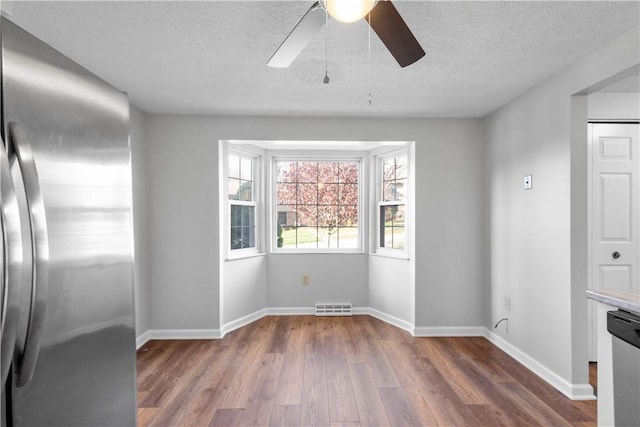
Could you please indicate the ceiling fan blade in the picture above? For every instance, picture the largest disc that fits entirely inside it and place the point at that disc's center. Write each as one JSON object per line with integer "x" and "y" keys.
{"x": 299, "y": 37}
{"x": 394, "y": 33}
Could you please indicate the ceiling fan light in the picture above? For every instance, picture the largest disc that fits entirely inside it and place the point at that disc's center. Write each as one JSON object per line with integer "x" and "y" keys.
{"x": 348, "y": 10}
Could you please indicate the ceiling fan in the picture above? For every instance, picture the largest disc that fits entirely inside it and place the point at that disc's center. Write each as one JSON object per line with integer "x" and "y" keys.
{"x": 381, "y": 15}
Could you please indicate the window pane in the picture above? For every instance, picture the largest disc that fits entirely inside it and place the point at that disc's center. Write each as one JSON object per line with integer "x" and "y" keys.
{"x": 234, "y": 186}
{"x": 245, "y": 191}
{"x": 240, "y": 178}
{"x": 328, "y": 172}
{"x": 328, "y": 216}
{"x": 236, "y": 216}
{"x": 392, "y": 234}
{"x": 308, "y": 172}
{"x": 246, "y": 168}
{"x": 398, "y": 217}
{"x": 349, "y": 194}
{"x": 286, "y": 194}
{"x": 348, "y": 237}
{"x": 348, "y": 172}
{"x": 248, "y": 216}
{"x": 248, "y": 237}
{"x": 234, "y": 166}
{"x": 389, "y": 169}
{"x": 328, "y": 194}
{"x": 388, "y": 237}
{"x": 401, "y": 167}
{"x": 286, "y": 215}
{"x": 388, "y": 191}
{"x": 394, "y": 178}
{"x": 286, "y": 171}
{"x": 307, "y": 194}
{"x": 328, "y": 237}
{"x": 299, "y": 237}
{"x": 307, "y": 237}
{"x": 398, "y": 237}
{"x": 348, "y": 216}
{"x": 394, "y": 190}
{"x": 236, "y": 237}
{"x": 307, "y": 215}
{"x": 400, "y": 189}
{"x": 243, "y": 227}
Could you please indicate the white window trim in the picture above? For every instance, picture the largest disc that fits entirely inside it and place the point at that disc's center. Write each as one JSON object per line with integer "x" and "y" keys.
{"x": 378, "y": 159}
{"x": 302, "y": 155}
{"x": 258, "y": 196}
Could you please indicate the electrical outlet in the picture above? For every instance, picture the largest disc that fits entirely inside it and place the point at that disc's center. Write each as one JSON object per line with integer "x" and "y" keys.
{"x": 527, "y": 182}
{"x": 507, "y": 303}
{"x": 305, "y": 280}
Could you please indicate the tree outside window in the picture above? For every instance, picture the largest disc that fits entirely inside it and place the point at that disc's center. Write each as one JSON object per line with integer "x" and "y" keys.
{"x": 317, "y": 204}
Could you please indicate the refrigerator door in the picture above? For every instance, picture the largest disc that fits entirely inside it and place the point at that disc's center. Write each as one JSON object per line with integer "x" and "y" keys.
{"x": 75, "y": 357}
{"x": 11, "y": 264}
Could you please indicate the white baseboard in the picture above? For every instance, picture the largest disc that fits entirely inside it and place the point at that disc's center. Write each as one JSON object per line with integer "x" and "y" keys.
{"x": 572, "y": 391}
{"x": 243, "y": 321}
{"x": 178, "y": 334}
{"x": 450, "y": 331}
{"x": 142, "y": 339}
{"x": 290, "y": 311}
{"x": 392, "y": 320}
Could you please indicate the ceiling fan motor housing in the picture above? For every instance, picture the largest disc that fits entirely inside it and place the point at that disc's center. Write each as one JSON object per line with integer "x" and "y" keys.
{"x": 348, "y": 10}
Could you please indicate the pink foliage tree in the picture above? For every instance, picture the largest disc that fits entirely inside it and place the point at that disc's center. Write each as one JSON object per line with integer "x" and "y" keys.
{"x": 323, "y": 194}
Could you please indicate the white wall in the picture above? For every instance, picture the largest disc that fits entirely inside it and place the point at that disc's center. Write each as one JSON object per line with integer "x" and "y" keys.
{"x": 183, "y": 224}
{"x": 140, "y": 178}
{"x": 538, "y": 237}
{"x": 449, "y": 234}
{"x": 613, "y": 106}
{"x": 391, "y": 288}
{"x": 243, "y": 288}
{"x": 186, "y": 268}
{"x": 332, "y": 278}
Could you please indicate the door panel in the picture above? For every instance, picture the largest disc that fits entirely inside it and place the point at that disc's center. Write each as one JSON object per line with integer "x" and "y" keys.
{"x": 615, "y": 205}
{"x": 615, "y": 276}
{"x": 614, "y": 209}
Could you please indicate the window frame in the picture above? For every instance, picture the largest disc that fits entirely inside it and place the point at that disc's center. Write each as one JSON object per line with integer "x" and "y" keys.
{"x": 379, "y": 202}
{"x": 255, "y": 202}
{"x": 311, "y": 156}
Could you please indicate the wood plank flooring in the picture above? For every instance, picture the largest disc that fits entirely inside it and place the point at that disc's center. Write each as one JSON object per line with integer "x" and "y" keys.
{"x": 343, "y": 371}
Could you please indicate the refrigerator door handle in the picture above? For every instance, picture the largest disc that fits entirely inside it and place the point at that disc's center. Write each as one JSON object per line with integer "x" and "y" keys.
{"x": 40, "y": 253}
{"x": 11, "y": 264}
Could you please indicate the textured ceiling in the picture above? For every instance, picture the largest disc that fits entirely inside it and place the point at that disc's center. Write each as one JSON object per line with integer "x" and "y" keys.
{"x": 209, "y": 57}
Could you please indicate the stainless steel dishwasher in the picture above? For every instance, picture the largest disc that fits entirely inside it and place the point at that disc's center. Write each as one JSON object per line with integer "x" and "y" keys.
{"x": 625, "y": 330}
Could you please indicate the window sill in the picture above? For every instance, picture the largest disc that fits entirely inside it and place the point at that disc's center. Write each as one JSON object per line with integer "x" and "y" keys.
{"x": 317, "y": 252}
{"x": 245, "y": 256}
{"x": 400, "y": 257}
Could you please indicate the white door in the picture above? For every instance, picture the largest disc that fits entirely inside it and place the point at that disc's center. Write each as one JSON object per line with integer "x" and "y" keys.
{"x": 615, "y": 209}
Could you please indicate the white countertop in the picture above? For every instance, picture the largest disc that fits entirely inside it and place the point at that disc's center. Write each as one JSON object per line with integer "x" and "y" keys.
{"x": 626, "y": 299}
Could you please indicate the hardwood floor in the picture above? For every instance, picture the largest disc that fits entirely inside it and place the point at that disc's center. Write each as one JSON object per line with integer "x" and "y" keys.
{"x": 343, "y": 371}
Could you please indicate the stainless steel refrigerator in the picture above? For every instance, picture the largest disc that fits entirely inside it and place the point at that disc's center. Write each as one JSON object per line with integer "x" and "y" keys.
{"x": 68, "y": 340}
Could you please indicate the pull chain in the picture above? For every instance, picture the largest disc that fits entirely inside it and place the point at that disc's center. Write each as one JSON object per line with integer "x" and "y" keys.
{"x": 326, "y": 47}
{"x": 369, "y": 60}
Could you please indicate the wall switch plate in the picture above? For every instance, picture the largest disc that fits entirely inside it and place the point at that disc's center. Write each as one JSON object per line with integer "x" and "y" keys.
{"x": 528, "y": 182}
